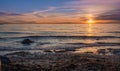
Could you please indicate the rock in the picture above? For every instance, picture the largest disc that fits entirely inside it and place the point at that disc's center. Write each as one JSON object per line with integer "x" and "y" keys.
{"x": 22, "y": 53}
{"x": 4, "y": 60}
{"x": 59, "y": 51}
{"x": 47, "y": 51}
{"x": 101, "y": 51}
{"x": 89, "y": 52}
{"x": 56, "y": 51}
{"x": 97, "y": 38}
{"x": 116, "y": 51}
{"x": 27, "y": 41}
{"x": 4, "y": 63}
{"x": 110, "y": 49}
{"x": 92, "y": 67}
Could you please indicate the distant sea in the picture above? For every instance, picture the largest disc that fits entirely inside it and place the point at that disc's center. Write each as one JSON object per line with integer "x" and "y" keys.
{"x": 75, "y": 38}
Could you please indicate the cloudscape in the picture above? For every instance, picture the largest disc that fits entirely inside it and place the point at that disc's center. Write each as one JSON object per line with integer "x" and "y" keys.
{"x": 58, "y": 11}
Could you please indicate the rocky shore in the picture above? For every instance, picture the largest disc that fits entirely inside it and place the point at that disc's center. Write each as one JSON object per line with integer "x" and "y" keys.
{"x": 25, "y": 61}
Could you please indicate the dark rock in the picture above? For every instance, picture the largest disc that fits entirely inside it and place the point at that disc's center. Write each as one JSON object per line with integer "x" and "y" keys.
{"x": 110, "y": 49}
{"x": 23, "y": 54}
{"x": 93, "y": 67}
{"x": 4, "y": 60}
{"x": 4, "y": 63}
{"x": 89, "y": 52}
{"x": 101, "y": 51}
{"x": 47, "y": 51}
{"x": 116, "y": 51}
{"x": 27, "y": 41}
{"x": 97, "y": 38}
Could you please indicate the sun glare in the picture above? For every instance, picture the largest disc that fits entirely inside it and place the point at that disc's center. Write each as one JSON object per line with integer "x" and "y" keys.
{"x": 90, "y": 21}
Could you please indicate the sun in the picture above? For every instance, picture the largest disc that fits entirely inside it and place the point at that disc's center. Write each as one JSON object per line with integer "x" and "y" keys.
{"x": 90, "y": 21}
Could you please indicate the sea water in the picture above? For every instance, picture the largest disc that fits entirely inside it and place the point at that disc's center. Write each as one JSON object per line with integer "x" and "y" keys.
{"x": 68, "y": 37}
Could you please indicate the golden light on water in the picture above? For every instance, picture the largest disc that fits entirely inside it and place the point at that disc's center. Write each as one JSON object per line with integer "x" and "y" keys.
{"x": 89, "y": 30}
{"x": 90, "y": 21}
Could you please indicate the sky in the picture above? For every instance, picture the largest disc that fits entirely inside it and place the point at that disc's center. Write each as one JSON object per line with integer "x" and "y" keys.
{"x": 59, "y": 11}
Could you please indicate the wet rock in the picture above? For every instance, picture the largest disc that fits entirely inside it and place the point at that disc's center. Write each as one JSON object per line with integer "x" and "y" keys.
{"x": 89, "y": 52}
{"x": 116, "y": 51}
{"x": 27, "y": 41}
{"x": 56, "y": 51}
{"x": 4, "y": 63}
{"x": 97, "y": 38}
{"x": 47, "y": 51}
{"x": 113, "y": 51}
{"x": 22, "y": 67}
{"x": 93, "y": 67}
{"x": 23, "y": 54}
{"x": 60, "y": 51}
{"x": 101, "y": 51}
{"x": 4, "y": 60}
{"x": 110, "y": 49}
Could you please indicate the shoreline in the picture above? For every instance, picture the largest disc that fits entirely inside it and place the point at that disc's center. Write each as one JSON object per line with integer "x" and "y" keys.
{"x": 25, "y": 61}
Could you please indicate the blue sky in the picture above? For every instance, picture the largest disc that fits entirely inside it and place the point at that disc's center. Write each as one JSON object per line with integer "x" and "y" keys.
{"x": 58, "y": 11}
{"x": 24, "y": 6}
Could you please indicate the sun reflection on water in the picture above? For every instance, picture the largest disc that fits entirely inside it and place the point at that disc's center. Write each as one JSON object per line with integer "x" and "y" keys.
{"x": 89, "y": 30}
{"x": 90, "y": 23}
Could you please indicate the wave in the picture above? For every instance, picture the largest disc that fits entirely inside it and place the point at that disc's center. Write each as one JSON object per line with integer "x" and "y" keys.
{"x": 14, "y": 33}
{"x": 15, "y": 49}
{"x": 62, "y": 37}
{"x": 69, "y": 37}
{"x": 114, "y": 32}
{"x": 68, "y": 46}
{"x": 96, "y": 44}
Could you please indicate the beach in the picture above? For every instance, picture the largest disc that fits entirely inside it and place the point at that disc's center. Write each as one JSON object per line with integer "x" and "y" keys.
{"x": 24, "y": 61}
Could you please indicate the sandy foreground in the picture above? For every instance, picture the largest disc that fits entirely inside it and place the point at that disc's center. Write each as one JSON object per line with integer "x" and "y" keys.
{"x": 25, "y": 61}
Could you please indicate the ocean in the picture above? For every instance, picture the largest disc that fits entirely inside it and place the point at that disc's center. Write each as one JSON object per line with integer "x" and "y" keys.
{"x": 73, "y": 38}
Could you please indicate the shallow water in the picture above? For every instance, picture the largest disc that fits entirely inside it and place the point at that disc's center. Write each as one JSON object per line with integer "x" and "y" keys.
{"x": 58, "y": 36}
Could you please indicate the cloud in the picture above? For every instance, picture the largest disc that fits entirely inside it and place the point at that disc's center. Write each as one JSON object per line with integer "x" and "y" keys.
{"x": 111, "y": 15}
{"x": 9, "y": 14}
{"x": 72, "y": 11}
{"x": 41, "y": 17}
{"x": 43, "y": 11}
{"x": 94, "y": 6}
